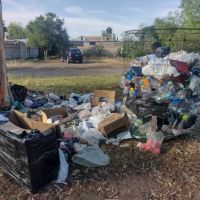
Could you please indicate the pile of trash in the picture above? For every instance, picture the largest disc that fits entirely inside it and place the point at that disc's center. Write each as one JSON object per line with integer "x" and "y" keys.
{"x": 162, "y": 96}
{"x": 78, "y": 124}
{"x": 43, "y": 132}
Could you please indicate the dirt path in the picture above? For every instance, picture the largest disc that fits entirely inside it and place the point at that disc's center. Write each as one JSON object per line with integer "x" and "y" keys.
{"x": 131, "y": 175}
{"x": 57, "y": 68}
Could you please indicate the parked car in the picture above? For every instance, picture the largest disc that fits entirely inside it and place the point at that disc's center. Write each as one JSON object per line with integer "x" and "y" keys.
{"x": 74, "y": 55}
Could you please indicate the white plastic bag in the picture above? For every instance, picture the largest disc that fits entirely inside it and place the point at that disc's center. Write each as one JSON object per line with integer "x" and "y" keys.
{"x": 160, "y": 69}
{"x": 63, "y": 171}
{"x": 91, "y": 156}
{"x": 85, "y": 106}
{"x": 87, "y": 132}
{"x": 84, "y": 114}
{"x": 54, "y": 97}
{"x": 195, "y": 85}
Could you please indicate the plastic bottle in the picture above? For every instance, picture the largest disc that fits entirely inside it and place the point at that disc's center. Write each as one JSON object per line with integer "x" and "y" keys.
{"x": 131, "y": 92}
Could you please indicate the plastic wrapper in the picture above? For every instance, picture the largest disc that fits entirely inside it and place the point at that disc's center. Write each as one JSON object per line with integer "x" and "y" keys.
{"x": 91, "y": 157}
{"x": 29, "y": 158}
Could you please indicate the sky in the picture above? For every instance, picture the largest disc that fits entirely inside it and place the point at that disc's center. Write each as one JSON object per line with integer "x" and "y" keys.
{"x": 90, "y": 17}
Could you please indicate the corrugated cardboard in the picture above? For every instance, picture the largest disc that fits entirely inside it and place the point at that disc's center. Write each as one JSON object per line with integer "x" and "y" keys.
{"x": 99, "y": 95}
{"x": 19, "y": 119}
{"x": 114, "y": 124}
{"x": 47, "y": 113}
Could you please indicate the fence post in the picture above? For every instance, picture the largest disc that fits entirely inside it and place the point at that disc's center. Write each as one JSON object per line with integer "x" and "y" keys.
{"x": 4, "y": 96}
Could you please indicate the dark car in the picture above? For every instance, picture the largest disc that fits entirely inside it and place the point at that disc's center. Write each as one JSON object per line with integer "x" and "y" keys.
{"x": 74, "y": 55}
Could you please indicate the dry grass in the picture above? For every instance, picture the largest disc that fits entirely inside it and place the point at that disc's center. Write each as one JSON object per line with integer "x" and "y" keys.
{"x": 66, "y": 85}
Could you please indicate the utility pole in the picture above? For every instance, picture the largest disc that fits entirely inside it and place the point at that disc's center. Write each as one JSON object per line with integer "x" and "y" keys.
{"x": 4, "y": 96}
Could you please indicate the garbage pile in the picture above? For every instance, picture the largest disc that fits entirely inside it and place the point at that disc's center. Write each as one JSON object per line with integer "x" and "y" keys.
{"x": 43, "y": 132}
{"x": 162, "y": 96}
{"x": 77, "y": 124}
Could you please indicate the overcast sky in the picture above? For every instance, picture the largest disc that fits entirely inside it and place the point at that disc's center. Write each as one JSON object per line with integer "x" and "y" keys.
{"x": 90, "y": 17}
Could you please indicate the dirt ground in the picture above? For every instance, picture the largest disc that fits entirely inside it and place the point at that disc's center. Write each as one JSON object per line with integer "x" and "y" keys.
{"x": 57, "y": 68}
{"x": 175, "y": 174}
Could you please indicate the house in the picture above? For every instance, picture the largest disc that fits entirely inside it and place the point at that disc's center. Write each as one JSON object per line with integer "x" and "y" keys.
{"x": 18, "y": 49}
{"x": 82, "y": 41}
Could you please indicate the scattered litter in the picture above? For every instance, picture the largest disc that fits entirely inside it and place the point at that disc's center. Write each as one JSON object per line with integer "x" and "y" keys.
{"x": 161, "y": 101}
{"x": 91, "y": 156}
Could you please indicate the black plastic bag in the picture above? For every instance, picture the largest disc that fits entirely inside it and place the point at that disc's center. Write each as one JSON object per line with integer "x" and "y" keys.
{"x": 19, "y": 93}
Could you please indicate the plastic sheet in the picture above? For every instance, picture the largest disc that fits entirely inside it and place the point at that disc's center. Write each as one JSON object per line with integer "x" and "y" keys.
{"x": 63, "y": 171}
{"x": 91, "y": 156}
{"x": 28, "y": 157}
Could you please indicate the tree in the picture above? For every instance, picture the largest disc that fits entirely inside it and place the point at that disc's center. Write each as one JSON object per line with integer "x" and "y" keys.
{"x": 103, "y": 33}
{"x": 109, "y": 33}
{"x": 4, "y": 95}
{"x": 190, "y": 12}
{"x": 16, "y": 31}
{"x": 99, "y": 50}
{"x": 47, "y": 33}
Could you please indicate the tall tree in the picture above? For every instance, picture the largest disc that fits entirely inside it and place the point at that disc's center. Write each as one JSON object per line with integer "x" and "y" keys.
{"x": 109, "y": 32}
{"x": 47, "y": 32}
{"x": 16, "y": 31}
{"x": 103, "y": 33}
{"x": 4, "y": 96}
{"x": 190, "y": 11}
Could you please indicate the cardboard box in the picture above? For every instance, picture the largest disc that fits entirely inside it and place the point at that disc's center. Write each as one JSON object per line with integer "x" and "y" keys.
{"x": 101, "y": 96}
{"x": 114, "y": 124}
{"x": 31, "y": 162}
{"x": 47, "y": 113}
{"x": 21, "y": 120}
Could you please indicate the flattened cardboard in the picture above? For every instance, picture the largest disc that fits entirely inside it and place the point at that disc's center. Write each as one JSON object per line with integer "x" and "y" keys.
{"x": 102, "y": 96}
{"x": 47, "y": 113}
{"x": 19, "y": 119}
{"x": 114, "y": 124}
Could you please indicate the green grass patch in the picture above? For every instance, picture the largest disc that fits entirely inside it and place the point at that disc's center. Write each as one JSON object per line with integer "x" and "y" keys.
{"x": 66, "y": 85}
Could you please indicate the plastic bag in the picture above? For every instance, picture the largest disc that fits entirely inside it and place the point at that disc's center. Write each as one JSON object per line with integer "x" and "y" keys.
{"x": 91, "y": 156}
{"x": 63, "y": 171}
{"x": 85, "y": 106}
{"x": 195, "y": 85}
{"x": 160, "y": 69}
{"x": 154, "y": 139}
{"x": 161, "y": 52}
{"x": 54, "y": 97}
{"x": 84, "y": 114}
{"x": 87, "y": 132}
{"x": 19, "y": 92}
{"x": 183, "y": 56}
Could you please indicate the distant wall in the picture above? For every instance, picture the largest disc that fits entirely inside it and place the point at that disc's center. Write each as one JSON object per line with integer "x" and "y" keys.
{"x": 110, "y": 48}
{"x": 14, "y": 50}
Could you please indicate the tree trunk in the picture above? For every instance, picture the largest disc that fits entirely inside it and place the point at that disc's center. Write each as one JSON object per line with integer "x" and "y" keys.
{"x": 45, "y": 54}
{"x": 4, "y": 96}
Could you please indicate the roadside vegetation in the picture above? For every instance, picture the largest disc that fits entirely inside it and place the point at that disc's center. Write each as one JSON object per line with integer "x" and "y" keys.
{"x": 66, "y": 85}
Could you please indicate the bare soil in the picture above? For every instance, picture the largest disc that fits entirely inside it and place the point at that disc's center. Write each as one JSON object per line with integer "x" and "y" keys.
{"x": 52, "y": 68}
{"x": 175, "y": 174}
